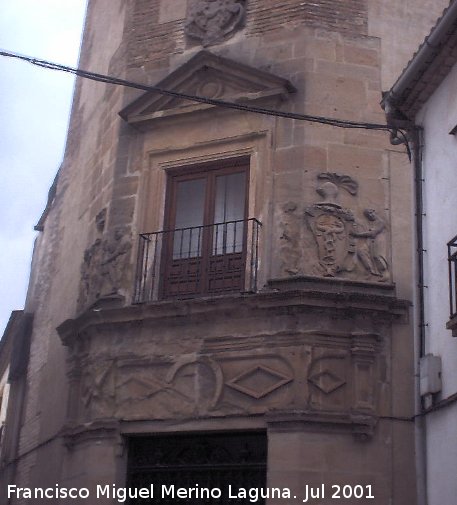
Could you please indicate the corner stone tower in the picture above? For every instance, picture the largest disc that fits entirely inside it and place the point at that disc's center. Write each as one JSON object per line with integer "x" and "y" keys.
{"x": 221, "y": 297}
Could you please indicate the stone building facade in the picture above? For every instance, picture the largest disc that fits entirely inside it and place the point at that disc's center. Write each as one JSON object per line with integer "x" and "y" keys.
{"x": 216, "y": 288}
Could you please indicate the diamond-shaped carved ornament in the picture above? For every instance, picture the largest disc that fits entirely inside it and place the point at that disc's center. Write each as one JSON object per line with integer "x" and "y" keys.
{"x": 326, "y": 381}
{"x": 258, "y": 381}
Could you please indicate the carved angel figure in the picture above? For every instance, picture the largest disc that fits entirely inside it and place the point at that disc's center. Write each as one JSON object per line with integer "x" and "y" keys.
{"x": 212, "y": 20}
{"x": 371, "y": 252}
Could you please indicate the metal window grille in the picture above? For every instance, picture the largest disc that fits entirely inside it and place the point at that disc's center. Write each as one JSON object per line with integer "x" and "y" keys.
{"x": 208, "y": 460}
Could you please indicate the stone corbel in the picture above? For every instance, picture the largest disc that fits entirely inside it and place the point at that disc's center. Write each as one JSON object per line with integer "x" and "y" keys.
{"x": 101, "y": 431}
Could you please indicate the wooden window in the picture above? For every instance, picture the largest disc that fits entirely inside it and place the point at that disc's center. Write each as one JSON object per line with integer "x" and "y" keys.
{"x": 205, "y": 230}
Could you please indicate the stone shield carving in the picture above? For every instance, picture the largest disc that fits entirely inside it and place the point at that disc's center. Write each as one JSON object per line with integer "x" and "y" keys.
{"x": 331, "y": 227}
{"x": 346, "y": 247}
{"x": 212, "y": 21}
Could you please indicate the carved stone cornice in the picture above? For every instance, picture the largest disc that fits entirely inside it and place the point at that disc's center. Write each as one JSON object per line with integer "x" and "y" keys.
{"x": 299, "y": 294}
{"x": 360, "y": 425}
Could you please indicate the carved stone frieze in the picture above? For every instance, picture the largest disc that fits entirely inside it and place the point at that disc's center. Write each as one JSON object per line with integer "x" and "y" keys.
{"x": 314, "y": 371}
{"x": 326, "y": 381}
{"x": 191, "y": 386}
{"x": 256, "y": 382}
{"x": 328, "y": 376}
{"x": 259, "y": 381}
{"x": 346, "y": 246}
{"x": 198, "y": 379}
{"x": 279, "y": 354}
{"x": 212, "y": 21}
{"x": 98, "y": 390}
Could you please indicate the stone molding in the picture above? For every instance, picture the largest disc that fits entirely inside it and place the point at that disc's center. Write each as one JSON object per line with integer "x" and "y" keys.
{"x": 301, "y": 292}
{"x": 209, "y": 76}
{"x": 361, "y": 426}
{"x": 331, "y": 374}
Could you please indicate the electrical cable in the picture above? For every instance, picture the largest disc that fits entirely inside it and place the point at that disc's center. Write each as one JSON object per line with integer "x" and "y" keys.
{"x": 339, "y": 123}
{"x": 434, "y": 408}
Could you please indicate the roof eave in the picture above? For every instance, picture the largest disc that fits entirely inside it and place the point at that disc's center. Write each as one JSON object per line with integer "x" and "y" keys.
{"x": 432, "y": 46}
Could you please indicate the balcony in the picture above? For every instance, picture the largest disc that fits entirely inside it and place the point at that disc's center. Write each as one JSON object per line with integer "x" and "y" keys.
{"x": 198, "y": 261}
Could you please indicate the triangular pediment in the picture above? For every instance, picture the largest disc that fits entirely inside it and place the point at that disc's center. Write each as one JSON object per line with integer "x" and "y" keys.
{"x": 205, "y": 75}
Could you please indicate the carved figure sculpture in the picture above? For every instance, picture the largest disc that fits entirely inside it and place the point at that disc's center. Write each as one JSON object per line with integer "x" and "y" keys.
{"x": 90, "y": 275}
{"x": 371, "y": 252}
{"x": 103, "y": 268}
{"x": 289, "y": 239}
{"x": 211, "y": 21}
{"x": 115, "y": 260}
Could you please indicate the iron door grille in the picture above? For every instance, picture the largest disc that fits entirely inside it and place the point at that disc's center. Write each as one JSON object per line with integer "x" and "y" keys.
{"x": 210, "y": 460}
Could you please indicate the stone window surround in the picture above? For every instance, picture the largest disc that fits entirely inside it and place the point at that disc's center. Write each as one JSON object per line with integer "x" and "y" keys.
{"x": 159, "y": 161}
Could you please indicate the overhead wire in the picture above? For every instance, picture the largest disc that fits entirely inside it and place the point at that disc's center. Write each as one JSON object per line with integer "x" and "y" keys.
{"x": 94, "y": 76}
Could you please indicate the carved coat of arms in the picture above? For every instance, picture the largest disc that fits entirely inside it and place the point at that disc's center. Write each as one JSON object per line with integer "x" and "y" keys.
{"x": 211, "y": 21}
{"x": 344, "y": 245}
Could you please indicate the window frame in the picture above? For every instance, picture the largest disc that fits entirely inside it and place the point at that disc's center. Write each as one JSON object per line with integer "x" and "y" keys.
{"x": 209, "y": 171}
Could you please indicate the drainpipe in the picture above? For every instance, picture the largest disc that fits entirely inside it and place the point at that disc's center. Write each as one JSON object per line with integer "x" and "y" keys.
{"x": 420, "y": 433}
{"x": 417, "y": 134}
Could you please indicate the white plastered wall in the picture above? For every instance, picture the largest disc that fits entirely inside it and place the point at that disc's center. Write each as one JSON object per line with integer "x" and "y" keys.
{"x": 438, "y": 117}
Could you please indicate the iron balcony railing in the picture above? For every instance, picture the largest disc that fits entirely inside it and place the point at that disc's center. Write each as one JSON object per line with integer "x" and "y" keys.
{"x": 452, "y": 260}
{"x": 198, "y": 261}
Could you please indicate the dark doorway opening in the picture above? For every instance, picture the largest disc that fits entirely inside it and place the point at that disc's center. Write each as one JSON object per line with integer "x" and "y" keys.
{"x": 198, "y": 462}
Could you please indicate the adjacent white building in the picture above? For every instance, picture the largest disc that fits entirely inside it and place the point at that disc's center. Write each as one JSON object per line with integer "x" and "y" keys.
{"x": 426, "y": 95}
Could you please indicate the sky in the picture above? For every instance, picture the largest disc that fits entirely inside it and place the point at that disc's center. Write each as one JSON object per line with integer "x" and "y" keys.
{"x": 34, "y": 108}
